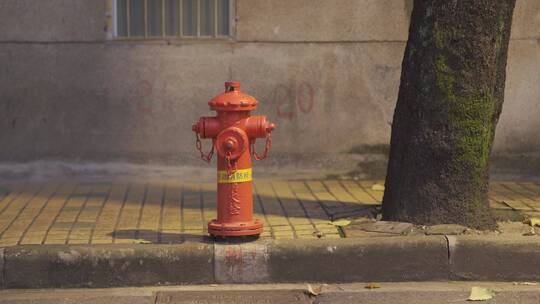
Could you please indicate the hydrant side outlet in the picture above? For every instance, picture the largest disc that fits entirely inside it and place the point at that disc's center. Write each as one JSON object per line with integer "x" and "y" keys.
{"x": 234, "y": 132}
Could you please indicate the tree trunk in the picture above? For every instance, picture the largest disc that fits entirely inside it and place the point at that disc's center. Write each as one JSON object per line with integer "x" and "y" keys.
{"x": 450, "y": 99}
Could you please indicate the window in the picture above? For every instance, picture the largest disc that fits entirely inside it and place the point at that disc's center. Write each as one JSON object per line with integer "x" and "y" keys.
{"x": 173, "y": 18}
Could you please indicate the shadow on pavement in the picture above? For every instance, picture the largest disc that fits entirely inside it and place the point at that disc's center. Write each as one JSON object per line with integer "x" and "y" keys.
{"x": 154, "y": 237}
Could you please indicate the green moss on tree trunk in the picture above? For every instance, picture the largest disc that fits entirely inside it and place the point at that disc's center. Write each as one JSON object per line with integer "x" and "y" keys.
{"x": 450, "y": 99}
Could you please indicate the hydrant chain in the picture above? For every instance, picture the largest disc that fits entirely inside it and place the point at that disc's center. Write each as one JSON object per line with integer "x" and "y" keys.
{"x": 267, "y": 147}
{"x": 230, "y": 167}
{"x": 207, "y": 158}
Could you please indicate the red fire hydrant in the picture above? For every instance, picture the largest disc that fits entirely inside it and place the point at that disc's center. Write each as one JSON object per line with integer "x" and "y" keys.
{"x": 233, "y": 132}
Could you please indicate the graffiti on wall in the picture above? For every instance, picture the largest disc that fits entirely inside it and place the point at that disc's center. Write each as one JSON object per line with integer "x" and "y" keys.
{"x": 145, "y": 92}
{"x": 293, "y": 100}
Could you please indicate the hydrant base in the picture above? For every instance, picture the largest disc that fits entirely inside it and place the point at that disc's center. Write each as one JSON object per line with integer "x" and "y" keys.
{"x": 238, "y": 229}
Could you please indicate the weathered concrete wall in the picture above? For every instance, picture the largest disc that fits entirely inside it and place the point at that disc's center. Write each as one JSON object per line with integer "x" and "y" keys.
{"x": 99, "y": 101}
{"x": 52, "y": 20}
{"x": 320, "y": 20}
{"x": 520, "y": 123}
{"x": 327, "y": 72}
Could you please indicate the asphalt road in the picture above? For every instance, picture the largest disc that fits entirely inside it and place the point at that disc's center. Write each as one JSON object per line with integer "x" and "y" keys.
{"x": 395, "y": 293}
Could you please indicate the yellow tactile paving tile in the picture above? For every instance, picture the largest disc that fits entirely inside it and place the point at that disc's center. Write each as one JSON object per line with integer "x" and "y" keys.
{"x": 319, "y": 190}
{"x": 62, "y": 215}
{"x": 533, "y": 187}
{"x": 358, "y": 192}
{"x": 530, "y": 192}
{"x": 367, "y": 186}
{"x": 506, "y": 196}
{"x": 170, "y": 212}
{"x": 292, "y": 206}
{"x": 520, "y": 194}
{"x": 84, "y": 224}
{"x": 18, "y": 213}
{"x": 148, "y": 227}
{"x": 498, "y": 205}
{"x": 110, "y": 212}
{"x": 192, "y": 216}
{"x": 276, "y": 216}
{"x": 15, "y": 191}
{"x": 340, "y": 193}
{"x": 312, "y": 206}
{"x": 171, "y": 224}
{"x": 36, "y": 231}
{"x": 258, "y": 212}
{"x": 128, "y": 220}
{"x": 209, "y": 202}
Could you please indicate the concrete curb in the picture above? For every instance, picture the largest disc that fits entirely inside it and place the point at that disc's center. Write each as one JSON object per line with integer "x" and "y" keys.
{"x": 483, "y": 258}
{"x": 2, "y": 272}
{"x": 374, "y": 259}
{"x": 107, "y": 265}
{"x": 423, "y": 258}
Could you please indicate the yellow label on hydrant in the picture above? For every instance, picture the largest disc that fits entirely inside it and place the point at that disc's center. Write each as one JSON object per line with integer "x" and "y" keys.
{"x": 237, "y": 176}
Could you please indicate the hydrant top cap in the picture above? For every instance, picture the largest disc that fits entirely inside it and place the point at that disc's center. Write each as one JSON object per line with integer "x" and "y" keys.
{"x": 233, "y": 99}
{"x": 235, "y": 85}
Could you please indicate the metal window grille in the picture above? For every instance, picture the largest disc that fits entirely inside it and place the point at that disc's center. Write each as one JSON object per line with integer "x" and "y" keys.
{"x": 173, "y": 18}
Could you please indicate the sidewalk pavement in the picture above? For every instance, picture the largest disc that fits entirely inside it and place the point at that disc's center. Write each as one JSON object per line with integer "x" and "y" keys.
{"x": 73, "y": 234}
{"x": 169, "y": 212}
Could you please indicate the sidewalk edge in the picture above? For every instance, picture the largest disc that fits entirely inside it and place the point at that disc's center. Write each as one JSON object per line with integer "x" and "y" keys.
{"x": 423, "y": 258}
{"x": 2, "y": 270}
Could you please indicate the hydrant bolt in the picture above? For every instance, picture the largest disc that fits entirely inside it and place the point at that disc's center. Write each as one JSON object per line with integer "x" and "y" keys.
{"x": 229, "y": 144}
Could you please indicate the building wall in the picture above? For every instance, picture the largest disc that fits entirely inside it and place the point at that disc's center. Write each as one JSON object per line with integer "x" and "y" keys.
{"x": 327, "y": 72}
